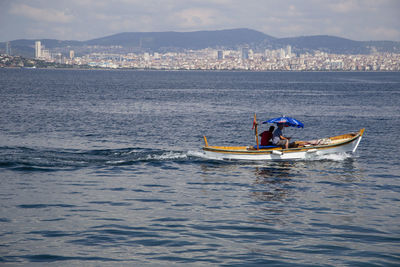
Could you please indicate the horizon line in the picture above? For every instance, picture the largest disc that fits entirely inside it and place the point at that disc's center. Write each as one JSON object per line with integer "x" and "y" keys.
{"x": 230, "y": 29}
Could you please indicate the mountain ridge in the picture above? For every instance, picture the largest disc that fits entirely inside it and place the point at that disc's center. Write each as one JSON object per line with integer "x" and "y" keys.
{"x": 219, "y": 39}
{"x": 195, "y": 40}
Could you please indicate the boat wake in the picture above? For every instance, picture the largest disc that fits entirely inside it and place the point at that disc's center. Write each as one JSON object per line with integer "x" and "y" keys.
{"x": 37, "y": 159}
{"x": 334, "y": 157}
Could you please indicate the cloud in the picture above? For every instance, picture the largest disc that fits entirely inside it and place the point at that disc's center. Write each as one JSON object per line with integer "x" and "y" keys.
{"x": 196, "y": 17}
{"x": 384, "y": 33}
{"x": 294, "y": 12}
{"x": 41, "y": 14}
{"x": 343, "y": 6}
{"x": 86, "y": 19}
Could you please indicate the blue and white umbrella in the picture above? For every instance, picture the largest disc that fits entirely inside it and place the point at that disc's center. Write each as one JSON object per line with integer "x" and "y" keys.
{"x": 287, "y": 121}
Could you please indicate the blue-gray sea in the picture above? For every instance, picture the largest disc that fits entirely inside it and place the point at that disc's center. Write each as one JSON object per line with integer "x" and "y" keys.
{"x": 102, "y": 168}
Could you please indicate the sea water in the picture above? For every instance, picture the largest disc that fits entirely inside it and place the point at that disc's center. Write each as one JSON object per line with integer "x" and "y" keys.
{"x": 103, "y": 168}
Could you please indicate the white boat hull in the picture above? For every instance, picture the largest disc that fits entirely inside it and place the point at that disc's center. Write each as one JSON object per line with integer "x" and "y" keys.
{"x": 308, "y": 152}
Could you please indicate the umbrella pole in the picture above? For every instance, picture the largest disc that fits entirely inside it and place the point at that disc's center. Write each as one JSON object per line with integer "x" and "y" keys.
{"x": 256, "y": 131}
{"x": 258, "y": 147}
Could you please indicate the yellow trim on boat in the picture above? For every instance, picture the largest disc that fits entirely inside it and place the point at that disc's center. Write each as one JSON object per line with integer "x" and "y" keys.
{"x": 334, "y": 141}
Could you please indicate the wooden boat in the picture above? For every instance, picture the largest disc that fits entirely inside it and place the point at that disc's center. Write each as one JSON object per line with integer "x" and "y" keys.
{"x": 345, "y": 143}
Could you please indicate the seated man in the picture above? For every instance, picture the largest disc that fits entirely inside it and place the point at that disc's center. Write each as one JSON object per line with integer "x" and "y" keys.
{"x": 266, "y": 136}
{"x": 278, "y": 139}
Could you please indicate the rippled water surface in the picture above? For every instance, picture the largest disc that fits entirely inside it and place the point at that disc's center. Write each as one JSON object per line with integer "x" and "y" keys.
{"x": 102, "y": 168}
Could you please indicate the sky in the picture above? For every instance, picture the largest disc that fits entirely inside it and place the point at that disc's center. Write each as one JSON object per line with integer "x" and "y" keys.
{"x": 360, "y": 20}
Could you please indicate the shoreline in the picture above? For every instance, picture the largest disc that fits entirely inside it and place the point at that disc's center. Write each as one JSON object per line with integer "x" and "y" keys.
{"x": 204, "y": 70}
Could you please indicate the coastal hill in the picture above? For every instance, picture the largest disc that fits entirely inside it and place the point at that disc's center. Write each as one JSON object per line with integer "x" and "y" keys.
{"x": 221, "y": 39}
{"x": 184, "y": 40}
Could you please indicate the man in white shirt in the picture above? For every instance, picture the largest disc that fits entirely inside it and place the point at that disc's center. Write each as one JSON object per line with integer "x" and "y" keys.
{"x": 278, "y": 139}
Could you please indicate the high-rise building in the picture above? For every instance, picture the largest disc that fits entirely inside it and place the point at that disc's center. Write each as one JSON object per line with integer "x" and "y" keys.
{"x": 251, "y": 54}
{"x": 282, "y": 53}
{"x": 220, "y": 54}
{"x": 71, "y": 54}
{"x": 245, "y": 52}
{"x": 8, "y": 48}
{"x": 45, "y": 54}
{"x": 38, "y": 49}
{"x": 289, "y": 51}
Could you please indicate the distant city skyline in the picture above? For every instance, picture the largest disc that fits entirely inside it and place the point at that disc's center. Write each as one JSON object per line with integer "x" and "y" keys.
{"x": 359, "y": 20}
{"x": 210, "y": 59}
